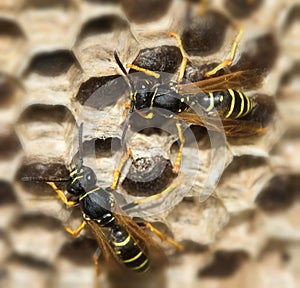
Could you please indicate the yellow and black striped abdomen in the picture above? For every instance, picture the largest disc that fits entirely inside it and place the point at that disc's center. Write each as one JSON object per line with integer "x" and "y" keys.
{"x": 127, "y": 250}
{"x": 228, "y": 103}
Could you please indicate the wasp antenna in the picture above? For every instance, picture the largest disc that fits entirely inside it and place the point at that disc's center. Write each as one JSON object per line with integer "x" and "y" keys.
{"x": 80, "y": 149}
{"x": 40, "y": 179}
{"x": 120, "y": 63}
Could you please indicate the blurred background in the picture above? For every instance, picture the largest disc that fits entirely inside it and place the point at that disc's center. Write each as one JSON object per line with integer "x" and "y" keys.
{"x": 55, "y": 54}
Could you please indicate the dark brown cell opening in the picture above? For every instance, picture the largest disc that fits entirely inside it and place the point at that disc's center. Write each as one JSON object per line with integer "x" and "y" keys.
{"x": 9, "y": 145}
{"x": 46, "y": 113}
{"x": 52, "y": 64}
{"x": 7, "y": 193}
{"x": 242, "y": 163}
{"x": 279, "y": 194}
{"x": 162, "y": 58}
{"x": 148, "y": 176}
{"x": 42, "y": 170}
{"x": 242, "y": 8}
{"x": 10, "y": 28}
{"x": 37, "y": 220}
{"x": 45, "y": 4}
{"x": 293, "y": 75}
{"x": 31, "y": 262}
{"x": 101, "y": 25}
{"x": 140, "y": 11}
{"x": 292, "y": 17}
{"x": 9, "y": 90}
{"x": 79, "y": 251}
{"x": 99, "y": 148}
{"x": 100, "y": 92}
{"x": 260, "y": 54}
{"x": 204, "y": 35}
{"x": 225, "y": 264}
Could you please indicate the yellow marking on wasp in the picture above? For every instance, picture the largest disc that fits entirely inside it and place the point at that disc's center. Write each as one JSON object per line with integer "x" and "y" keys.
{"x": 146, "y": 71}
{"x": 140, "y": 266}
{"x": 182, "y": 99}
{"x": 76, "y": 178}
{"x": 222, "y": 98}
{"x": 232, "y": 103}
{"x": 249, "y": 106}
{"x": 211, "y": 102}
{"x": 153, "y": 97}
{"x": 179, "y": 110}
{"x": 133, "y": 258}
{"x": 87, "y": 193}
{"x": 118, "y": 252}
{"x": 123, "y": 243}
{"x": 188, "y": 98}
{"x": 242, "y": 104}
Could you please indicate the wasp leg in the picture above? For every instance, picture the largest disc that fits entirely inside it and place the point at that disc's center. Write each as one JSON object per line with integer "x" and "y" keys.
{"x": 163, "y": 237}
{"x": 181, "y": 144}
{"x": 229, "y": 60}
{"x": 117, "y": 171}
{"x": 144, "y": 70}
{"x": 61, "y": 195}
{"x": 184, "y": 57}
{"x": 135, "y": 203}
{"x": 77, "y": 231}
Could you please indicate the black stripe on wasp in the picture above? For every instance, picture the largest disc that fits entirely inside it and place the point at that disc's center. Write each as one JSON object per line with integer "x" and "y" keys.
{"x": 122, "y": 241}
{"x": 224, "y": 107}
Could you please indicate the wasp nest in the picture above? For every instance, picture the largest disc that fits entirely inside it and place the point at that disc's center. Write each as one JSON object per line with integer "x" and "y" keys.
{"x": 236, "y": 210}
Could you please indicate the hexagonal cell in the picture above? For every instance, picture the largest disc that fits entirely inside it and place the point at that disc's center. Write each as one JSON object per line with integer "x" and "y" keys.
{"x": 278, "y": 195}
{"x": 242, "y": 181}
{"x": 291, "y": 32}
{"x": 203, "y": 35}
{"x": 44, "y": 131}
{"x": 11, "y": 99}
{"x": 75, "y": 264}
{"x": 47, "y": 23}
{"x": 100, "y": 92}
{"x": 52, "y": 77}
{"x": 145, "y": 11}
{"x": 28, "y": 272}
{"x": 242, "y": 8}
{"x": 9, "y": 205}
{"x": 288, "y": 100}
{"x": 9, "y": 145}
{"x": 98, "y": 39}
{"x": 38, "y": 196}
{"x": 37, "y": 236}
{"x": 148, "y": 176}
{"x": 12, "y": 45}
{"x": 259, "y": 53}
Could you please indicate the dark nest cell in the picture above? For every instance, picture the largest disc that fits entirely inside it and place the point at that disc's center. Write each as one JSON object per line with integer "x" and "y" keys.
{"x": 204, "y": 34}
{"x": 225, "y": 264}
{"x": 279, "y": 194}
{"x": 52, "y": 64}
{"x": 141, "y": 11}
{"x": 49, "y": 170}
{"x": 162, "y": 58}
{"x": 100, "y": 92}
{"x": 8, "y": 91}
{"x": 9, "y": 146}
{"x": 242, "y": 8}
{"x": 7, "y": 194}
{"x": 148, "y": 176}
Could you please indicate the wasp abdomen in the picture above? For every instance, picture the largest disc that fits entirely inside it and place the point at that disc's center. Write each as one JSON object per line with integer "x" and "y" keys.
{"x": 128, "y": 251}
{"x": 228, "y": 103}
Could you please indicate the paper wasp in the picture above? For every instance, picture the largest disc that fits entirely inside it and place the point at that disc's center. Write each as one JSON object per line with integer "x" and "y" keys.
{"x": 122, "y": 241}
{"x": 224, "y": 107}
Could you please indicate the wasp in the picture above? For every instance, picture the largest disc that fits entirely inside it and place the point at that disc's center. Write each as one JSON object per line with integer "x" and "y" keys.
{"x": 224, "y": 107}
{"x": 122, "y": 241}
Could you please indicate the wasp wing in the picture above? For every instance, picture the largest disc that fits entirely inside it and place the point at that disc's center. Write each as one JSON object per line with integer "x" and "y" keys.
{"x": 244, "y": 80}
{"x": 113, "y": 263}
{"x": 231, "y": 127}
{"x": 145, "y": 242}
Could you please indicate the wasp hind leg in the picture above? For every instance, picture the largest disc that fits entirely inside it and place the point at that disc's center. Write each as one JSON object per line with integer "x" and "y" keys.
{"x": 77, "y": 231}
{"x": 229, "y": 60}
{"x": 162, "y": 236}
{"x": 144, "y": 70}
{"x": 181, "y": 144}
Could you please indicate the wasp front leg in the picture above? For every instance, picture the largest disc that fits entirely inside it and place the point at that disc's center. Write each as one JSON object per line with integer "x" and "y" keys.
{"x": 61, "y": 195}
